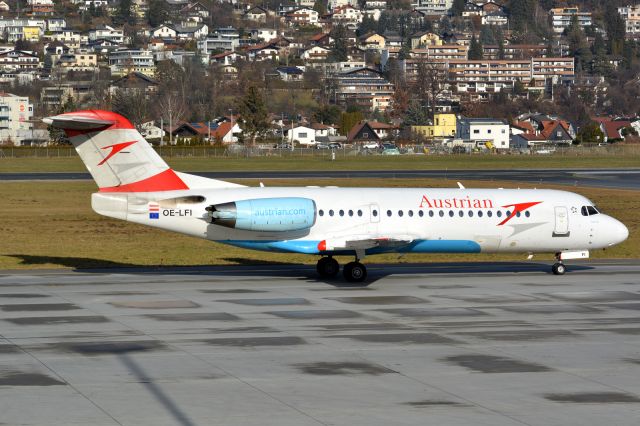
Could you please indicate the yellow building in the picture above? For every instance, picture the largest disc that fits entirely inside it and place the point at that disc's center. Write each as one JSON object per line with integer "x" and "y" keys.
{"x": 444, "y": 126}
{"x": 425, "y": 39}
{"x": 373, "y": 41}
{"x": 31, "y": 33}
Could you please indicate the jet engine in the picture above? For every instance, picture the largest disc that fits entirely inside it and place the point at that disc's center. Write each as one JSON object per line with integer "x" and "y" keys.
{"x": 265, "y": 214}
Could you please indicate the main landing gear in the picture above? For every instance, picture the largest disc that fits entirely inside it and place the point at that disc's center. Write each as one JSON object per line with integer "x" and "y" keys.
{"x": 558, "y": 268}
{"x": 354, "y": 272}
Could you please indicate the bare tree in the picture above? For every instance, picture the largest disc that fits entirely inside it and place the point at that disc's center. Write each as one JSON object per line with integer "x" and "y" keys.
{"x": 430, "y": 83}
{"x": 172, "y": 108}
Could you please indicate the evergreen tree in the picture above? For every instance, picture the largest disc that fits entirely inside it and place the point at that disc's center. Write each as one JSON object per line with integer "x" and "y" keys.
{"x": 486, "y": 36}
{"x": 340, "y": 48}
{"x": 253, "y": 114}
{"x": 348, "y": 120}
{"x": 499, "y": 36}
{"x": 475, "y": 49}
{"x": 615, "y": 27}
{"x": 320, "y": 7}
{"x": 124, "y": 13}
{"x": 158, "y": 12}
{"x": 367, "y": 25}
{"x": 578, "y": 45}
{"x": 457, "y": 7}
{"x": 522, "y": 12}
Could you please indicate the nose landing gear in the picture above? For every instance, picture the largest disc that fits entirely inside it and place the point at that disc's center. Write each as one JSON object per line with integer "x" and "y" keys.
{"x": 558, "y": 268}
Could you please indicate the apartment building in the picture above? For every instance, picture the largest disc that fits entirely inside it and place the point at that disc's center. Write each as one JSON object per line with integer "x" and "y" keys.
{"x": 492, "y": 76}
{"x": 443, "y": 51}
{"x": 364, "y": 87}
{"x": 15, "y": 118}
{"x": 561, "y": 18}
{"x": 432, "y": 7}
{"x": 484, "y": 130}
{"x": 514, "y": 51}
{"x": 123, "y": 62}
{"x": 631, "y": 16}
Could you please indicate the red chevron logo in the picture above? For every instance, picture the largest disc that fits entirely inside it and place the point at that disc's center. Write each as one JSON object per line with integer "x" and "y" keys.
{"x": 517, "y": 208}
{"x": 115, "y": 148}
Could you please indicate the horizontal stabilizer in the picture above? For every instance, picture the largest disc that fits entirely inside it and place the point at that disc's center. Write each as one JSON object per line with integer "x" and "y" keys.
{"x": 76, "y": 122}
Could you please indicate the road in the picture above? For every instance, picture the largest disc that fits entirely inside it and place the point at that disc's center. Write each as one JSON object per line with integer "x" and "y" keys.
{"x": 443, "y": 344}
{"x": 602, "y": 178}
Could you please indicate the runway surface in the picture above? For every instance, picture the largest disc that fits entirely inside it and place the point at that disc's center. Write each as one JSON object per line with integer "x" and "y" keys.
{"x": 603, "y": 178}
{"x": 444, "y": 344}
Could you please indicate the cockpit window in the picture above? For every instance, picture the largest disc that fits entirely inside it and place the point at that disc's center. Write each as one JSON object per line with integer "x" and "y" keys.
{"x": 588, "y": 210}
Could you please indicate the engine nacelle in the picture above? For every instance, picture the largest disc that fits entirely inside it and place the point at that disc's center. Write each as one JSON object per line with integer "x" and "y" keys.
{"x": 265, "y": 214}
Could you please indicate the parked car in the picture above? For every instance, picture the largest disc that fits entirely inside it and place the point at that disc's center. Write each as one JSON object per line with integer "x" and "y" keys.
{"x": 370, "y": 145}
{"x": 283, "y": 146}
{"x": 335, "y": 145}
{"x": 322, "y": 146}
{"x": 390, "y": 149}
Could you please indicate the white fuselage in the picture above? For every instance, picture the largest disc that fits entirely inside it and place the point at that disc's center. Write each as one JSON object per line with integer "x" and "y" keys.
{"x": 421, "y": 220}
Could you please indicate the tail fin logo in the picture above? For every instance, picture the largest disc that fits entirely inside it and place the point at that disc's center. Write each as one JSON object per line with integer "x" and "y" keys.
{"x": 115, "y": 148}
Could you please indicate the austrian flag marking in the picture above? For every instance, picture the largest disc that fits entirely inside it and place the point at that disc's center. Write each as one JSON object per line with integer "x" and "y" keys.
{"x": 154, "y": 211}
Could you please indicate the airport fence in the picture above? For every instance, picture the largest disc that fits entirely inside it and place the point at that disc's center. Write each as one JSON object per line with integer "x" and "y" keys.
{"x": 345, "y": 151}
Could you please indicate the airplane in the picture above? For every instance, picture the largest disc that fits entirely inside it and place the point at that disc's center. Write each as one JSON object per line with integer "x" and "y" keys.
{"x": 136, "y": 185}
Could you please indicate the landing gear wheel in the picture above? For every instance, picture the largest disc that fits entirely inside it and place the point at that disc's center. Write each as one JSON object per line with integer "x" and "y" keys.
{"x": 354, "y": 272}
{"x": 328, "y": 267}
{"x": 558, "y": 268}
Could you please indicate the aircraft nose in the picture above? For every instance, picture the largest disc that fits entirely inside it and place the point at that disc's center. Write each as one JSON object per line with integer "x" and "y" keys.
{"x": 619, "y": 232}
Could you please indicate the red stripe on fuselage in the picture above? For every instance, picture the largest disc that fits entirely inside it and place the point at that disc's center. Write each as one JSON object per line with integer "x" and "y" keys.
{"x": 164, "y": 181}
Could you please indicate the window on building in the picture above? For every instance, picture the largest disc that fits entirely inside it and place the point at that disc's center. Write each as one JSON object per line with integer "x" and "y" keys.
{"x": 302, "y": 135}
{"x": 476, "y": 132}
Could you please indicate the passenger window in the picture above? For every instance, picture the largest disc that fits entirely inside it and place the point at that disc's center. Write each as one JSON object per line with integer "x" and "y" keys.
{"x": 341, "y": 212}
{"x": 489, "y": 213}
{"x": 400, "y": 213}
{"x": 330, "y": 212}
{"x": 410, "y": 213}
{"x": 350, "y": 212}
{"x": 430, "y": 213}
{"x": 479, "y": 213}
{"x": 527, "y": 214}
{"x": 420, "y": 213}
{"x": 450, "y": 213}
{"x": 470, "y": 213}
{"x": 507, "y": 213}
{"x": 360, "y": 213}
{"x": 461, "y": 213}
{"x": 499, "y": 213}
{"x": 518, "y": 214}
{"x": 389, "y": 213}
{"x": 321, "y": 212}
{"x": 441, "y": 213}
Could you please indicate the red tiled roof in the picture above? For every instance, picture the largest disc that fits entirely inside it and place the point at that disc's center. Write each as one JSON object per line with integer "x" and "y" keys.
{"x": 319, "y": 37}
{"x": 549, "y": 126}
{"x": 612, "y": 128}
{"x": 524, "y": 126}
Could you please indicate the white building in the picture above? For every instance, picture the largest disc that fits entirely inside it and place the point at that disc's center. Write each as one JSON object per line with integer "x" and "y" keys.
{"x": 15, "y": 118}
{"x": 301, "y": 134}
{"x": 561, "y": 18}
{"x": 482, "y": 130}
{"x": 432, "y": 7}
{"x": 105, "y": 32}
{"x": 631, "y": 16}
{"x": 123, "y": 62}
{"x": 264, "y": 34}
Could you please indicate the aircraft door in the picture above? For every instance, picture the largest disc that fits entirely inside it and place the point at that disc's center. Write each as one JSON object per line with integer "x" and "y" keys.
{"x": 374, "y": 213}
{"x": 562, "y": 222}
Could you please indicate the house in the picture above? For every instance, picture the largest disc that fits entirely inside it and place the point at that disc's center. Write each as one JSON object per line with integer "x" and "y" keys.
{"x": 303, "y": 135}
{"x": 290, "y": 73}
{"x": 537, "y": 129}
{"x": 81, "y": 60}
{"x": 348, "y": 16}
{"x": 105, "y": 32}
{"x": 225, "y": 132}
{"x": 19, "y": 60}
{"x": 225, "y": 58}
{"x": 302, "y": 16}
{"x": 164, "y": 31}
{"x": 4, "y": 7}
{"x": 257, "y": 14}
{"x": 195, "y": 11}
{"x": 134, "y": 82}
{"x": 268, "y": 51}
{"x": 444, "y": 126}
{"x": 372, "y": 41}
{"x": 322, "y": 39}
{"x": 480, "y": 131}
{"x": 263, "y": 34}
{"x": 421, "y": 40}
{"x": 612, "y": 128}
{"x": 371, "y": 131}
{"x": 315, "y": 53}
{"x": 323, "y": 130}
{"x": 40, "y": 7}
{"x": 151, "y": 132}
